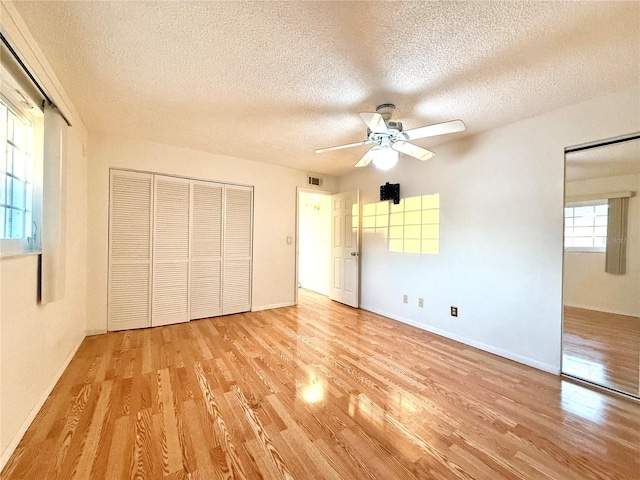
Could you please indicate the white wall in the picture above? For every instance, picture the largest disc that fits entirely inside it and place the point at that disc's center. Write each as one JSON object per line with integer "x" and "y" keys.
{"x": 275, "y": 199}
{"x": 37, "y": 341}
{"x": 586, "y": 284}
{"x": 314, "y": 239}
{"x": 501, "y": 207}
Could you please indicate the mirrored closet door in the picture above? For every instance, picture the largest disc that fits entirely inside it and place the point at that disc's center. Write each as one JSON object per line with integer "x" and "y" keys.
{"x": 601, "y": 284}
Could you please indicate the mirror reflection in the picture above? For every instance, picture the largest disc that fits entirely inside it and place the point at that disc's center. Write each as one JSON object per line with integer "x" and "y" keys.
{"x": 601, "y": 285}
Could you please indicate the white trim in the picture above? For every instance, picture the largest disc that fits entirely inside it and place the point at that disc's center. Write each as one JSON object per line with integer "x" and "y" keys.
{"x": 11, "y": 447}
{"x": 585, "y": 249}
{"x": 19, "y": 255}
{"x": 95, "y": 331}
{"x": 176, "y": 175}
{"x": 21, "y": 39}
{"x": 273, "y": 305}
{"x": 299, "y": 190}
{"x": 596, "y": 198}
{"x": 546, "y": 367}
{"x": 17, "y": 247}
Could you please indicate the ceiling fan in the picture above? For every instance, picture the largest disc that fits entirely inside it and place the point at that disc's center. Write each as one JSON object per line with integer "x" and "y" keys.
{"x": 388, "y": 138}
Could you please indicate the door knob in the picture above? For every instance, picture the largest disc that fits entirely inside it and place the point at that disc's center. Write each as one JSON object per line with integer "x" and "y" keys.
{"x": 354, "y": 254}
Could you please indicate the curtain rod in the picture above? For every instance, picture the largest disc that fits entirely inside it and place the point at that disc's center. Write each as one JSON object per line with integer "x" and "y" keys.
{"x": 31, "y": 77}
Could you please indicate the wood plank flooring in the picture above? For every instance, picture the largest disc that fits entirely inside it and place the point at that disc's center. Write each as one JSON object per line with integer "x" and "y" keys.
{"x": 319, "y": 390}
{"x": 603, "y": 348}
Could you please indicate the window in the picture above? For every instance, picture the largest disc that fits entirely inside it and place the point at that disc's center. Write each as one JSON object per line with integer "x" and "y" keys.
{"x": 16, "y": 174}
{"x": 21, "y": 149}
{"x": 585, "y": 227}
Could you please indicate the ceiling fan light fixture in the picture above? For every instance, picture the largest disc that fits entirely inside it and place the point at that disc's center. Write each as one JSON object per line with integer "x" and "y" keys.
{"x": 390, "y": 138}
{"x": 385, "y": 158}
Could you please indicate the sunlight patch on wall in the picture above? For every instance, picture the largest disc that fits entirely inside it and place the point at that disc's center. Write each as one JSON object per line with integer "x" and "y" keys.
{"x": 412, "y": 226}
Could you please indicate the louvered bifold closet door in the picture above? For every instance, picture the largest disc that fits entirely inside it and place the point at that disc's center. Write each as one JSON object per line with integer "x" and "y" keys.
{"x": 130, "y": 230}
{"x": 171, "y": 245}
{"x": 238, "y": 227}
{"x": 206, "y": 249}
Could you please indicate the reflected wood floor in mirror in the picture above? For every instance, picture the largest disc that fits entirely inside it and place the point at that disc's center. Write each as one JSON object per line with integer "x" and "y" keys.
{"x": 603, "y": 348}
{"x": 319, "y": 390}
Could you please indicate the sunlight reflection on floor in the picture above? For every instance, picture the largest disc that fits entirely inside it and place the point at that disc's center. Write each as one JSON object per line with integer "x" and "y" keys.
{"x": 584, "y": 402}
{"x": 583, "y": 368}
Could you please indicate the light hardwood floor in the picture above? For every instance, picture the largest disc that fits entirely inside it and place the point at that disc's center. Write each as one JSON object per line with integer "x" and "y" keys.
{"x": 603, "y": 348}
{"x": 318, "y": 391}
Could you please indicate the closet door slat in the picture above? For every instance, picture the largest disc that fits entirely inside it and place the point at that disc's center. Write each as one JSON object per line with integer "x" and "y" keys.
{"x": 130, "y": 234}
{"x": 206, "y": 249}
{"x": 238, "y": 234}
{"x": 179, "y": 249}
{"x": 171, "y": 245}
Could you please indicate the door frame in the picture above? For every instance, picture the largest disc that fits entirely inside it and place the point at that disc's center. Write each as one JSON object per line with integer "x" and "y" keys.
{"x": 571, "y": 149}
{"x": 300, "y": 190}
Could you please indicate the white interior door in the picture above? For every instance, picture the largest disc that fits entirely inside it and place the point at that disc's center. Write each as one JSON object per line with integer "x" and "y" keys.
{"x": 130, "y": 233}
{"x": 206, "y": 249}
{"x": 345, "y": 251}
{"x": 170, "y": 302}
{"x": 238, "y": 234}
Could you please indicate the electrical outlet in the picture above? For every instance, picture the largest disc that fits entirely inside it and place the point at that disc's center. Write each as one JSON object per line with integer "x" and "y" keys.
{"x": 421, "y": 302}
{"x": 405, "y": 299}
{"x": 454, "y": 311}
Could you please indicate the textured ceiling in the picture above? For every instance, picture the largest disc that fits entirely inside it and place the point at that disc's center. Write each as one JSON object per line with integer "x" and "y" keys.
{"x": 273, "y": 81}
{"x": 606, "y": 161}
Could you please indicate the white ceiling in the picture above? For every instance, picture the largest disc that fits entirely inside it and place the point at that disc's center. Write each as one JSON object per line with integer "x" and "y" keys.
{"x": 605, "y": 161}
{"x": 273, "y": 81}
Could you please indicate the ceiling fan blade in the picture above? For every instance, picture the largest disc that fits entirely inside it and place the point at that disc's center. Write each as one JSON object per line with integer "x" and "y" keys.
{"x": 435, "y": 129}
{"x": 375, "y": 122}
{"x": 340, "y": 147}
{"x": 366, "y": 159}
{"x": 413, "y": 150}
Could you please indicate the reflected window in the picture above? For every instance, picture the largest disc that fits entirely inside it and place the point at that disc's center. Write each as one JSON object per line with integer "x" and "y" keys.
{"x": 585, "y": 227}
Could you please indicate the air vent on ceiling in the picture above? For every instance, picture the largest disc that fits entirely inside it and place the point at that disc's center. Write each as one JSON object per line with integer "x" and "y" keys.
{"x": 314, "y": 181}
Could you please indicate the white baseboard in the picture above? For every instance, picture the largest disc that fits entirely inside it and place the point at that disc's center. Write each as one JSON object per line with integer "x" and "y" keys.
{"x": 473, "y": 343}
{"x": 274, "y": 305}
{"x": 95, "y": 331}
{"x": 11, "y": 447}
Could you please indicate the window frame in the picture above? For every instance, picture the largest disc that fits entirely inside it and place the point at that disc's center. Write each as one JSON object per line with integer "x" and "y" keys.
{"x": 27, "y": 110}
